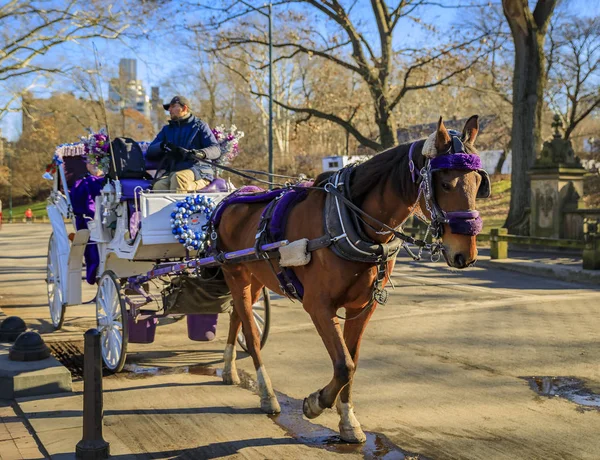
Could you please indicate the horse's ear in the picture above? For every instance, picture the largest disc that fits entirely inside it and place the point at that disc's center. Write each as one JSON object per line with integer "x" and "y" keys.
{"x": 470, "y": 130}
{"x": 442, "y": 138}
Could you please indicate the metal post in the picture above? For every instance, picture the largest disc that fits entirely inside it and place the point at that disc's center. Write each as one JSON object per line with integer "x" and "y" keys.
{"x": 93, "y": 445}
{"x": 271, "y": 167}
{"x": 10, "y": 174}
{"x": 591, "y": 251}
{"x": 498, "y": 249}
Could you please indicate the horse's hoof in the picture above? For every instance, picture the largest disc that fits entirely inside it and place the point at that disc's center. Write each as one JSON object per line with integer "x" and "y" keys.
{"x": 352, "y": 434}
{"x": 311, "y": 406}
{"x": 270, "y": 405}
{"x": 230, "y": 378}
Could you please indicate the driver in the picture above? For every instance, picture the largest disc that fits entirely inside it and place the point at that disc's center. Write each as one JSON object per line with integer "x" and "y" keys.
{"x": 184, "y": 172}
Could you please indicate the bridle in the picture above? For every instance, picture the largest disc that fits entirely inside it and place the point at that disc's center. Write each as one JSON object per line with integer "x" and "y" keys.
{"x": 460, "y": 222}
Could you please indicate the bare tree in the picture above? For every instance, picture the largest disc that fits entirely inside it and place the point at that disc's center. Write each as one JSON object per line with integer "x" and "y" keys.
{"x": 33, "y": 28}
{"x": 528, "y": 30}
{"x": 574, "y": 70}
{"x": 388, "y": 71}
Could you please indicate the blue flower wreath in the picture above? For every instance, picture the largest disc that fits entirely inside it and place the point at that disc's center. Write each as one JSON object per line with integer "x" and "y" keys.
{"x": 182, "y": 231}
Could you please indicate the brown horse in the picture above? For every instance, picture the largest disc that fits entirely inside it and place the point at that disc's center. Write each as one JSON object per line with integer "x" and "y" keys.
{"x": 382, "y": 187}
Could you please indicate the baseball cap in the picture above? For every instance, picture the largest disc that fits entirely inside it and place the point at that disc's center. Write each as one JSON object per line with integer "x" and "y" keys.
{"x": 177, "y": 100}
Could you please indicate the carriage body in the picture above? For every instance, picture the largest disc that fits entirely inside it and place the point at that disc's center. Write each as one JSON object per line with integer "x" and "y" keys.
{"x": 131, "y": 229}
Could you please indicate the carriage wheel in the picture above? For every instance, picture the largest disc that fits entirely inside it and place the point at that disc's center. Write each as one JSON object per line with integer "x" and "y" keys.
{"x": 53, "y": 285}
{"x": 261, "y": 311}
{"x": 111, "y": 315}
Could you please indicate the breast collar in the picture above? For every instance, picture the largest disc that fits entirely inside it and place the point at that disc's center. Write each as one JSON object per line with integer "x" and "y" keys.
{"x": 349, "y": 241}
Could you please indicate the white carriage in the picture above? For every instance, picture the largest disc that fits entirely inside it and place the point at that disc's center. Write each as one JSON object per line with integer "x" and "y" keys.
{"x": 134, "y": 238}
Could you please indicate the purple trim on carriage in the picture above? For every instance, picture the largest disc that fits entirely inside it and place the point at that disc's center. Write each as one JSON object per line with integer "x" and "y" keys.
{"x": 456, "y": 161}
{"x": 128, "y": 187}
{"x": 217, "y": 185}
{"x": 83, "y": 194}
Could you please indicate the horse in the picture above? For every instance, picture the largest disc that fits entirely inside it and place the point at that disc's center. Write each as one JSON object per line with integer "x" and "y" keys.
{"x": 385, "y": 190}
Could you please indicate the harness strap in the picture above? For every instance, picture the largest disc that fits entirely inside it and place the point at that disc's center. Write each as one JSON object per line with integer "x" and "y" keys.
{"x": 329, "y": 188}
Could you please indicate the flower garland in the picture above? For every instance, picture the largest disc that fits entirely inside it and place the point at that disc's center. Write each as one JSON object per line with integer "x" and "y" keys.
{"x": 182, "y": 221}
{"x": 228, "y": 143}
{"x": 52, "y": 167}
{"x": 97, "y": 150}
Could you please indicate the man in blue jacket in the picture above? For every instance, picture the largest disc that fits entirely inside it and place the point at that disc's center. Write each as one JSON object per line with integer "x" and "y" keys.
{"x": 184, "y": 172}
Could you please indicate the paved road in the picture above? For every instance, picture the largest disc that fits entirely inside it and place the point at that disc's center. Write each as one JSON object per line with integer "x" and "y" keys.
{"x": 443, "y": 369}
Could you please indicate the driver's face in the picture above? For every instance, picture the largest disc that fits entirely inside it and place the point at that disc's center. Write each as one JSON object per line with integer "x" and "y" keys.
{"x": 176, "y": 111}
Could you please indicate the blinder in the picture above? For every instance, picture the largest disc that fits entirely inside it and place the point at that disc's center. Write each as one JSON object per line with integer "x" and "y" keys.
{"x": 485, "y": 189}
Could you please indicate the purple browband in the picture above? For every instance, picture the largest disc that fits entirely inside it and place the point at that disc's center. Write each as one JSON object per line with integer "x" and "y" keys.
{"x": 456, "y": 161}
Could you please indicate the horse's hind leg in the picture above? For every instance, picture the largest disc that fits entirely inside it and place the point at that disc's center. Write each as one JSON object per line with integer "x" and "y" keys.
{"x": 245, "y": 291}
{"x": 350, "y": 429}
{"x": 230, "y": 374}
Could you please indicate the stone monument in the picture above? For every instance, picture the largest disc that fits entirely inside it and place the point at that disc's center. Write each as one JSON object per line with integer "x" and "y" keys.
{"x": 556, "y": 186}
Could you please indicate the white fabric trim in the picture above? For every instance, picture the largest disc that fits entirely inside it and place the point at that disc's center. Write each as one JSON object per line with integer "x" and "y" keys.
{"x": 429, "y": 150}
{"x": 294, "y": 254}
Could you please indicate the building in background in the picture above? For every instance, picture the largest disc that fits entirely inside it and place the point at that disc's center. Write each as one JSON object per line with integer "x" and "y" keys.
{"x": 126, "y": 91}
{"x": 158, "y": 115}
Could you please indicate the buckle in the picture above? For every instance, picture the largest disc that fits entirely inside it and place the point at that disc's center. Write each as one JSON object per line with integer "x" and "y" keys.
{"x": 381, "y": 296}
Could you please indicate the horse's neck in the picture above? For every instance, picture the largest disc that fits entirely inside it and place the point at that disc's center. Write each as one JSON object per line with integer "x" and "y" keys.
{"x": 387, "y": 207}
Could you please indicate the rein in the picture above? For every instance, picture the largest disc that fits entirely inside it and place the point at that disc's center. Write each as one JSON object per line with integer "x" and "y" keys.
{"x": 461, "y": 222}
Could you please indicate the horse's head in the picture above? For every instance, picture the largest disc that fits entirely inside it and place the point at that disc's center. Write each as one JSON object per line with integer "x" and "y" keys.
{"x": 452, "y": 180}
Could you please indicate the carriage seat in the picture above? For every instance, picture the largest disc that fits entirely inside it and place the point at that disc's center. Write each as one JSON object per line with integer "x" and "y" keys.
{"x": 128, "y": 187}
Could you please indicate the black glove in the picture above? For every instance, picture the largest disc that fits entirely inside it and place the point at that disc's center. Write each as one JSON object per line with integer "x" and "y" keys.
{"x": 166, "y": 146}
{"x": 175, "y": 152}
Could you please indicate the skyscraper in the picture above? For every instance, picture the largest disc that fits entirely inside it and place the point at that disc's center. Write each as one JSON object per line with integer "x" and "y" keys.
{"x": 126, "y": 91}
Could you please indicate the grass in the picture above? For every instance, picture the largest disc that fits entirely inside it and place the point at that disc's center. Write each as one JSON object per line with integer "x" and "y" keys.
{"x": 39, "y": 210}
{"x": 495, "y": 208}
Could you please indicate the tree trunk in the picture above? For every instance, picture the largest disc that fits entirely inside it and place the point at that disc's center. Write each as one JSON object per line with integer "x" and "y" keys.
{"x": 384, "y": 117}
{"x": 529, "y": 80}
{"x": 501, "y": 160}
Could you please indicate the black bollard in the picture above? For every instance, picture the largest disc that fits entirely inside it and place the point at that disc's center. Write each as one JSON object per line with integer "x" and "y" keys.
{"x": 93, "y": 445}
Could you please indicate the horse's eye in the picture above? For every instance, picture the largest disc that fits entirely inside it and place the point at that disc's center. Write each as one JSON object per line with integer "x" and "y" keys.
{"x": 446, "y": 186}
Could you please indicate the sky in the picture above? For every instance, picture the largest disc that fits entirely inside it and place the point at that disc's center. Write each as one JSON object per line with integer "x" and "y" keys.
{"x": 160, "y": 61}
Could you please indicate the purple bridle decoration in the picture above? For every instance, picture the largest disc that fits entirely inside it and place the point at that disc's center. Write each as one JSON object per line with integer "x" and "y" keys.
{"x": 460, "y": 222}
{"x": 456, "y": 161}
{"x": 464, "y": 222}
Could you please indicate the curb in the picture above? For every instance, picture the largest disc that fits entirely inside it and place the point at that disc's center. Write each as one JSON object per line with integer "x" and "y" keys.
{"x": 557, "y": 271}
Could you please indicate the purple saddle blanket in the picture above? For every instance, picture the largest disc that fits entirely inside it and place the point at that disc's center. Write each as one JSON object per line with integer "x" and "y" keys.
{"x": 286, "y": 199}
{"x": 247, "y": 194}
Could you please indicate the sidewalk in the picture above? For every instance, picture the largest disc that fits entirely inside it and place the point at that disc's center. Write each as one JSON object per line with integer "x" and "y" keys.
{"x": 179, "y": 414}
{"x": 562, "y": 267}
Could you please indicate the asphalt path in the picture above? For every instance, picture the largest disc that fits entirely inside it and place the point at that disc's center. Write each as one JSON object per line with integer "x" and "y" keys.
{"x": 452, "y": 367}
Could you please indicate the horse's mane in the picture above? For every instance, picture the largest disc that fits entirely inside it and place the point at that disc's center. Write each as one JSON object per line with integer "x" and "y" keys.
{"x": 391, "y": 164}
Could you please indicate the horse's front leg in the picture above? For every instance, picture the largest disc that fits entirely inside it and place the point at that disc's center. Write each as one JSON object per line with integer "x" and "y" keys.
{"x": 350, "y": 429}
{"x": 245, "y": 293}
{"x": 329, "y": 329}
